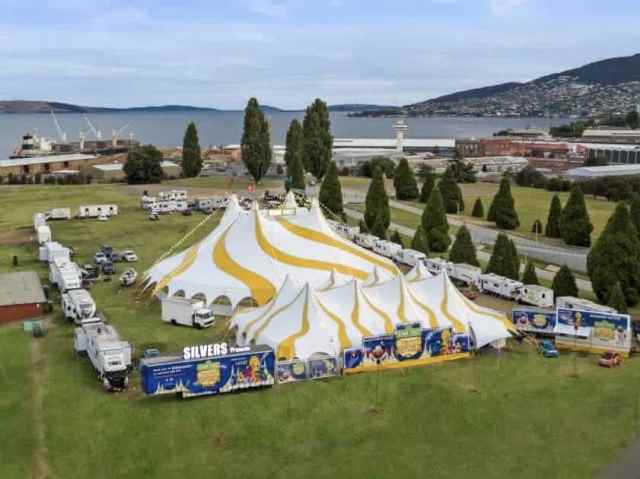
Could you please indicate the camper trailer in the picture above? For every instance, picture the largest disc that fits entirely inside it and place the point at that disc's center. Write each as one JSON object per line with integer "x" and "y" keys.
{"x": 173, "y": 195}
{"x": 39, "y": 220}
{"x": 65, "y": 274}
{"x": 164, "y": 207}
{"x": 147, "y": 202}
{"x": 464, "y": 273}
{"x": 365, "y": 240}
{"x": 387, "y": 249}
{"x": 178, "y": 310}
{"x": 410, "y": 257}
{"x": 77, "y": 304}
{"x": 536, "y": 296}
{"x": 181, "y": 205}
{"x": 499, "y": 286}
{"x": 570, "y": 302}
{"x": 436, "y": 265}
{"x": 95, "y": 211}
{"x": 50, "y": 250}
{"x": 43, "y": 234}
{"x": 109, "y": 355}
{"x": 58, "y": 214}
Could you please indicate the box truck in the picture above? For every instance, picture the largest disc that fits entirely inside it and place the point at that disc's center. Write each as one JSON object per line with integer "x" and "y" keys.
{"x": 179, "y": 310}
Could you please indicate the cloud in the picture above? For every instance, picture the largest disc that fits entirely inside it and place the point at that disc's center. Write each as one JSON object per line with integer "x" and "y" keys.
{"x": 270, "y": 8}
{"x": 504, "y": 7}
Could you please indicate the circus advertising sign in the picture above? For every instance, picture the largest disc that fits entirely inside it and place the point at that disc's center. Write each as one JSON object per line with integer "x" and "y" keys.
{"x": 408, "y": 342}
{"x": 534, "y": 320}
{"x": 291, "y": 371}
{"x": 378, "y": 350}
{"x": 444, "y": 342}
{"x": 322, "y": 368}
{"x": 352, "y": 357}
{"x": 593, "y": 331}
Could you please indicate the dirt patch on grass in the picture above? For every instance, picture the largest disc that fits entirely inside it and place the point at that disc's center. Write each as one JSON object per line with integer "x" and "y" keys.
{"x": 16, "y": 237}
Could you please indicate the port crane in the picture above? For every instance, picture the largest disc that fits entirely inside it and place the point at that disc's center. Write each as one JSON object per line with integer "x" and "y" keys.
{"x": 61, "y": 134}
{"x": 97, "y": 133}
{"x": 116, "y": 134}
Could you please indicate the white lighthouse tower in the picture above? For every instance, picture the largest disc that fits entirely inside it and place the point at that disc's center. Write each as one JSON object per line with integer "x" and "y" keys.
{"x": 400, "y": 127}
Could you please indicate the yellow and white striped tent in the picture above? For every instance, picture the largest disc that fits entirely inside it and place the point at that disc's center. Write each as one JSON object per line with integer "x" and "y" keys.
{"x": 250, "y": 253}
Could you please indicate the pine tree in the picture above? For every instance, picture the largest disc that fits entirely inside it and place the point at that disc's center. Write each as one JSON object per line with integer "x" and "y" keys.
{"x": 363, "y": 227}
{"x": 191, "y": 154}
{"x": 500, "y": 262}
{"x": 463, "y": 250}
{"x": 396, "y": 238}
{"x": 404, "y": 182}
{"x": 537, "y": 227}
{"x": 331, "y": 191}
{"x": 575, "y": 226}
{"x": 616, "y": 258}
{"x": 428, "y": 185}
{"x": 419, "y": 241}
{"x": 294, "y": 142}
{"x": 451, "y": 193}
{"x": 256, "y": 142}
{"x": 478, "y": 209}
{"x": 564, "y": 283}
{"x": 379, "y": 229}
{"x": 530, "y": 276}
{"x": 434, "y": 223}
{"x": 552, "y": 229}
{"x": 317, "y": 139}
{"x": 635, "y": 211}
{"x": 295, "y": 175}
{"x": 617, "y": 300}
{"x": 502, "y": 210}
{"x": 377, "y": 202}
{"x": 514, "y": 262}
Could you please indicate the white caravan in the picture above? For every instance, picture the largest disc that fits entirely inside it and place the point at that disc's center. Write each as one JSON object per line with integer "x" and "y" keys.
{"x": 58, "y": 214}
{"x": 65, "y": 274}
{"x": 94, "y": 211}
{"x": 388, "y": 249}
{"x": 51, "y": 250}
{"x": 39, "y": 220}
{"x": 43, "y": 234}
{"x": 464, "y": 273}
{"x": 436, "y": 265}
{"x": 173, "y": 195}
{"x": 570, "y": 302}
{"x": 164, "y": 207}
{"x": 147, "y": 202}
{"x": 365, "y": 240}
{"x": 109, "y": 355}
{"x": 410, "y": 257}
{"x": 179, "y": 310}
{"x": 77, "y": 304}
{"x": 536, "y": 296}
{"x": 181, "y": 205}
{"x": 499, "y": 286}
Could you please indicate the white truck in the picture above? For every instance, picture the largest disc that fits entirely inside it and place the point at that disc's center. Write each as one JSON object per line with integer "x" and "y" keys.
{"x": 410, "y": 257}
{"x": 536, "y": 296}
{"x": 365, "y": 240}
{"x": 388, "y": 249}
{"x": 43, "y": 234}
{"x": 109, "y": 355}
{"x": 499, "y": 286}
{"x": 77, "y": 305}
{"x": 58, "y": 214}
{"x": 65, "y": 274}
{"x": 179, "y": 310}
{"x": 51, "y": 250}
{"x": 570, "y": 302}
{"x": 464, "y": 273}
{"x": 94, "y": 211}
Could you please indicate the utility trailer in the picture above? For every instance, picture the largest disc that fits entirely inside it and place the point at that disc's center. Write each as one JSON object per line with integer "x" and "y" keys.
{"x": 410, "y": 257}
{"x": 208, "y": 369}
{"x": 94, "y": 211}
{"x": 536, "y": 296}
{"x": 65, "y": 274}
{"x": 387, "y": 249}
{"x": 179, "y": 310}
{"x": 77, "y": 305}
{"x": 109, "y": 355}
{"x": 499, "y": 286}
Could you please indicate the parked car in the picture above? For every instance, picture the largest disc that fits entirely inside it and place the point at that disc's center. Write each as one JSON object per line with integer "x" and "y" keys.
{"x": 100, "y": 258}
{"x": 187, "y": 212}
{"x": 153, "y": 216}
{"x": 547, "y": 349}
{"x": 108, "y": 268}
{"x": 117, "y": 257}
{"x": 610, "y": 359}
{"x": 90, "y": 272}
{"x": 129, "y": 256}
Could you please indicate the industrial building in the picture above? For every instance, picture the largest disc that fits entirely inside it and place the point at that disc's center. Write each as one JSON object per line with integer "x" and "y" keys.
{"x": 614, "y": 154}
{"x": 21, "y": 296}
{"x": 611, "y": 135}
{"x": 47, "y": 164}
{"x": 591, "y": 172}
{"x": 107, "y": 172}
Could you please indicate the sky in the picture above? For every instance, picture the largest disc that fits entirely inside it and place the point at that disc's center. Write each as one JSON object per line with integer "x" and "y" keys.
{"x": 219, "y": 53}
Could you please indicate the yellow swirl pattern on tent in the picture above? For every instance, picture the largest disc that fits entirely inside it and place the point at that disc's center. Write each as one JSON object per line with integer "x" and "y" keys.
{"x": 388, "y": 324}
{"x": 322, "y": 238}
{"x": 286, "y": 258}
{"x": 430, "y": 314}
{"x": 342, "y": 330}
{"x": 268, "y": 319}
{"x": 261, "y": 289}
{"x": 186, "y": 263}
{"x": 400, "y": 311}
{"x": 500, "y": 317}
{"x": 251, "y": 323}
{"x": 287, "y": 348}
{"x": 444, "y": 307}
{"x": 355, "y": 313}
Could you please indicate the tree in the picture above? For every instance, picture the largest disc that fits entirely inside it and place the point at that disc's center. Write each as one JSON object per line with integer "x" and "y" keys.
{"x": 463, "y": 172}
{"x": 317, "y": 139}
{"x": 616, "y": 258}
{"x": 377, "y": 202}
{"x": 294, "y": 142}
{"x": 363, "y": 227}
{"x": 463, "y": 249}
{"x": 530, "y": 176}
{"x": 530, "y": 276}
{"x": 595, "y": 160}
{"x": 513, "y": 271}
{"x": 424, "y": 170}
{"x": 295, "y": 176}
{"x": 617, "y": 300}
{"x": 478, "y": 209}
{"x": 330, "y": 195}
{"x": 143, "y": 165}
{"x": 405, "y": 182}
{"x": 256, "y": 141}
{"x": 575, "y": 226}
{"x": 379, "y": 228}
{"x": 386, "y": 164}
{"x": 191, "y": 154}
{"x": 564, "y": 283}
{"x": 429, "y": 183}
{"x": 500, "y": 262}
{"x": 502, "y": 210}
{"x": 537, "y": 227}
{"x": 552, "y": 230}
{"x": 419, "y": 241}
{"x": 634, "y": 212}
{"x": 396, "y": 238}
{"x": 451, "y": 193}
{"x": 632, "y": 119}
{"x": 434, "y": 223}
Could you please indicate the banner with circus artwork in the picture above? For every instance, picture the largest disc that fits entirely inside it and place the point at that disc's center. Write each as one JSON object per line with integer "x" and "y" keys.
{"x": 291, "y": 371}
{"x": 592, "y": 331}
{"x": 533, "y": 320}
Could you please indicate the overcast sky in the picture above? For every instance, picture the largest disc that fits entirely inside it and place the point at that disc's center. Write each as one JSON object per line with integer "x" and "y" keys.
{"x": 287, "y": 52}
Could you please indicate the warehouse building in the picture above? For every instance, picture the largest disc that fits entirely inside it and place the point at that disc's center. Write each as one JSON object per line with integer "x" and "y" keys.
{"x": 592, "y": 172}
{"x": 21, "y": 296}
{"x": 47, "y": 164}
{"x": 615, "y": 154}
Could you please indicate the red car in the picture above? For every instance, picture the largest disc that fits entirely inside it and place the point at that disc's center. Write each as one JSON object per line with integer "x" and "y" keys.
{"x": 610, "y": 359}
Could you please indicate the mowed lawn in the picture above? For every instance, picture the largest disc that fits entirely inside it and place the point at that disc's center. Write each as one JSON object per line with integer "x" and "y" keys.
{"x": 514, "y": 415}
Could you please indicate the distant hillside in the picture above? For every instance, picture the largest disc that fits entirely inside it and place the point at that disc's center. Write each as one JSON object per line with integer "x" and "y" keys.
{"x": 607, "y": 72}
{"x": 350, "y": 107}
{"x": 23, "y": 106}
{"x": 476, "y": 92}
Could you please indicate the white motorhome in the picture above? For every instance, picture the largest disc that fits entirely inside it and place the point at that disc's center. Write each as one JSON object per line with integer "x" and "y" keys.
{"x": 387, "y": 249}
{"x": 570, "y": 302}
{"x": 499, "y": 286}
{"x": 464, "y": 273}
{"x": 77, "y": 304}
{"x": 65, "y": 274}
{"x": 181, "y": 205}
{"x": 39, "y": 220}
{"x": 173, "y": 195}
{"x": 58, "y": 214}
{"x": 164, "y": 207}
{"x": 436, "y": 265}
{"x": 410, "y": 257}
{"x": 536, "y": 296}
{"x": 147, "y": 202}
{"x": 109, "y": 355}
{"x": 211, "y": 203}
{"x": 94, "y": 211}
{"x": 179, "y": 310}
{"x": 43, "y": 234}
{"x": 365, "y": 240}
{"x": 52, "y": 249}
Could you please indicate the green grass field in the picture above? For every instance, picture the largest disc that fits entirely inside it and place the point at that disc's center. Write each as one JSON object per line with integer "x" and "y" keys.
{"x": 529, "y": 417}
